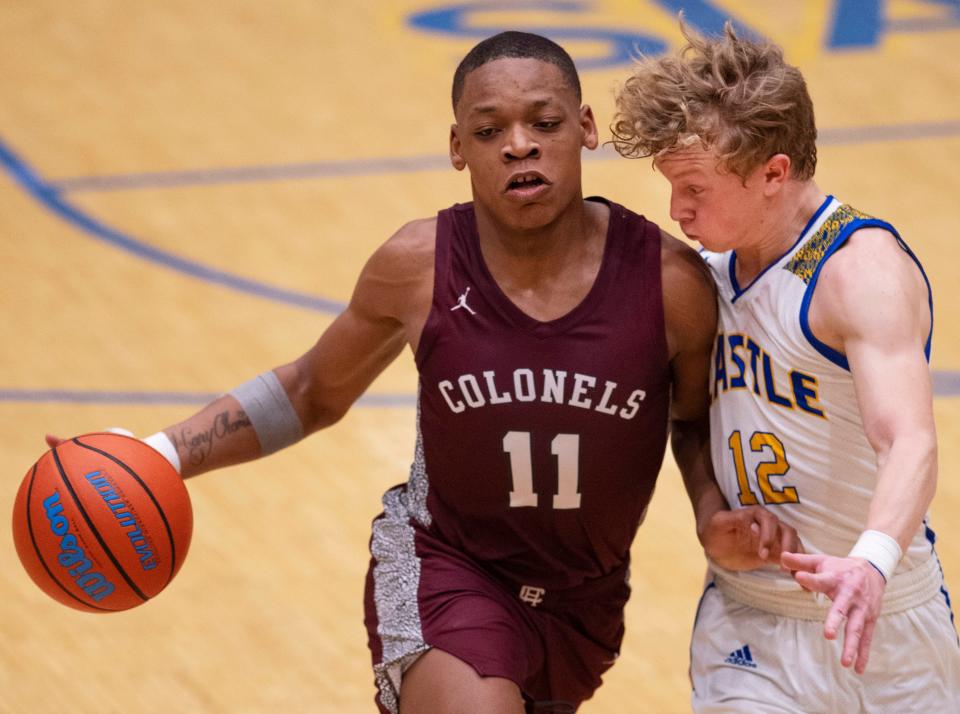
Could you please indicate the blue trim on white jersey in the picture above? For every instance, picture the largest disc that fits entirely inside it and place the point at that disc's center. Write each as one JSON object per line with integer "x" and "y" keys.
{"x": 932, "y": 539}
{"x": 737, "y": 292}
{"x": 838, "y": 358}
{"x": 903, "y": 244}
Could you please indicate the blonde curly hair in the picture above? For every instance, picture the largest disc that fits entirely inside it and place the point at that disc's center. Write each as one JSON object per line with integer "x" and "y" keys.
{"x": 737, "y": 97}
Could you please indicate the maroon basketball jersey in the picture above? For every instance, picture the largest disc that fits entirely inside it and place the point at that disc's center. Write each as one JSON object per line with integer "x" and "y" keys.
{"x": 539, "y": 442}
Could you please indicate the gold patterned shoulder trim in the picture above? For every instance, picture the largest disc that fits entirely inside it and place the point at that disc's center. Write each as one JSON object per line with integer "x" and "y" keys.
{"x": 808, "y": 257}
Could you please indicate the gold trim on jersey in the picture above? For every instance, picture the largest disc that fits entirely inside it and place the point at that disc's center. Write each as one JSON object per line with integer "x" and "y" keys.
{"x": 805, "y": 261}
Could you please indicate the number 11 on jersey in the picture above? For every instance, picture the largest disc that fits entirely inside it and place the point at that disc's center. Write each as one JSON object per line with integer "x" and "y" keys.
{"x": 566, "y": 447}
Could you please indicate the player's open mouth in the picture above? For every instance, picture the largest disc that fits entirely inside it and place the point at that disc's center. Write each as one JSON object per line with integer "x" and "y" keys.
{"x": 526, "y": 185}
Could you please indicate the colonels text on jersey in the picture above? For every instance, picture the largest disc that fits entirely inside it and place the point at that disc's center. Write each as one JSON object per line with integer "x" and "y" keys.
{"x": 550, "y": 386}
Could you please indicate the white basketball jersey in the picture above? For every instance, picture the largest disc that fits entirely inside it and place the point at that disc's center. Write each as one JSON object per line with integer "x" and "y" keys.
{"x": 786, "y": 426}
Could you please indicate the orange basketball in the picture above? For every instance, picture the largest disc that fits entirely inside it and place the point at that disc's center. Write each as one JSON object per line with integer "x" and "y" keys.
{"x": 102, "y": 522}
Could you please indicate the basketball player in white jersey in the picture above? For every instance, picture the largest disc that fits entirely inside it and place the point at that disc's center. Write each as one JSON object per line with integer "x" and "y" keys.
{"x": 822, "y": 401}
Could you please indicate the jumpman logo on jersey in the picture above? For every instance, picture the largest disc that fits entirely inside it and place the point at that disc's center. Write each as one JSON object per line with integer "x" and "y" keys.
{"x": 462, "y": 302}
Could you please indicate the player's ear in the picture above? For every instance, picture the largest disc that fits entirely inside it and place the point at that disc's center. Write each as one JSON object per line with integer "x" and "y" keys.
{"x": 776, "y": 172}
{"x": 459, "y": 163}
{"x": 588, "y": 125}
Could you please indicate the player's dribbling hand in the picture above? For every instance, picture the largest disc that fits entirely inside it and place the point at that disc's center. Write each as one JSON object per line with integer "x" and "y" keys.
{"x": 856, "y": 589}
{"x": 747, "y": 538}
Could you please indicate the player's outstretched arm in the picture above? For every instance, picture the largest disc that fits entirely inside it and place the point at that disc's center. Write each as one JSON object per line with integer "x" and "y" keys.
{"x": 739, "y": 539}
{"x": 872, "y": 303}
{"x": 387, "y": 310}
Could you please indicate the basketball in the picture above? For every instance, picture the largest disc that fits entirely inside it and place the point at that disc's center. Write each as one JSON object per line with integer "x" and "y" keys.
{"x": 102, "y": 522}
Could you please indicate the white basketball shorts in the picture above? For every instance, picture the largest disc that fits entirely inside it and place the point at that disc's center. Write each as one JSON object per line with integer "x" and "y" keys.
{"x": 743, "y": 659}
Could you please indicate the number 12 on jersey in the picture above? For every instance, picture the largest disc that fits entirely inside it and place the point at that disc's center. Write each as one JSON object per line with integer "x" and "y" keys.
{"x": 760, "y": 442}
{"x": 566, "y": 447}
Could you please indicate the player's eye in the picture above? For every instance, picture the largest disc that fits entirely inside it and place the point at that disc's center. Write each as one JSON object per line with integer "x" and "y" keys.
{"x": 485, "y": 133}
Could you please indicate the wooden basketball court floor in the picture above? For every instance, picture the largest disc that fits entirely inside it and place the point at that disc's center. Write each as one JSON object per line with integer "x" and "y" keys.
{"x": 188, "y": 192}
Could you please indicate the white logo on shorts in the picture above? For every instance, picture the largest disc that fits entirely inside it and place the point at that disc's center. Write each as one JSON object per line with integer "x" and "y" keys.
{"x": 462, "y": 303}
{"x": 532, "y": 595}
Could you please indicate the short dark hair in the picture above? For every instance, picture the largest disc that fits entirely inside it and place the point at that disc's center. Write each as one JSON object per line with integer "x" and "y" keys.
{"x": 521, "y": 45}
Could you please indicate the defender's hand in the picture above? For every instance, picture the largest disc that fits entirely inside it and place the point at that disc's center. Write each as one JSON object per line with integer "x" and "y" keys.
{"x": 747, "y": 538}
{"x": 856, "y": 589}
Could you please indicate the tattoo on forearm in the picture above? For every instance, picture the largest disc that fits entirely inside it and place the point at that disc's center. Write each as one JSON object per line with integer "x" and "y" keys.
{"x": 199, "y": 445}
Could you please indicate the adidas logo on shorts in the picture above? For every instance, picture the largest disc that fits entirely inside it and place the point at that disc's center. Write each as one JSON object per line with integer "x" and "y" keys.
{"x": 741, "y": 658}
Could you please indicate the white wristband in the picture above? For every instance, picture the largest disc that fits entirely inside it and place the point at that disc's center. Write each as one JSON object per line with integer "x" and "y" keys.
{"x": 161, "y": 442}
{"x": 880, "y": 550}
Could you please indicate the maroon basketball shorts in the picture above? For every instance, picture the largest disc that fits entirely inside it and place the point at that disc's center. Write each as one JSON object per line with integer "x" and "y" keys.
{"x": 421, "y": 593}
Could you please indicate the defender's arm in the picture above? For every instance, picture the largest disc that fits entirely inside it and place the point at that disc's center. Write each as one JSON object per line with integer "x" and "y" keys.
{"x": 872, "y": 304}
{"x": 739, "y": 539}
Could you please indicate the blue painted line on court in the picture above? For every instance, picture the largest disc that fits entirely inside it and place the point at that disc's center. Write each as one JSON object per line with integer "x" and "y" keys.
{"x": 152, "y": 398}
{"x": 92, "y": 396}
{"x": 254, "y": 174}
{"x": 52, "y": 199}
{"x": 433, "y": 162}
{"x": 946, "y": 384}
{"x": 839, "y": 136}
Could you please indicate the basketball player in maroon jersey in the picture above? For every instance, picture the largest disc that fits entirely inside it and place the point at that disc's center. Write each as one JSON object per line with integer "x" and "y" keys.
{"x": 558, "y": 340}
